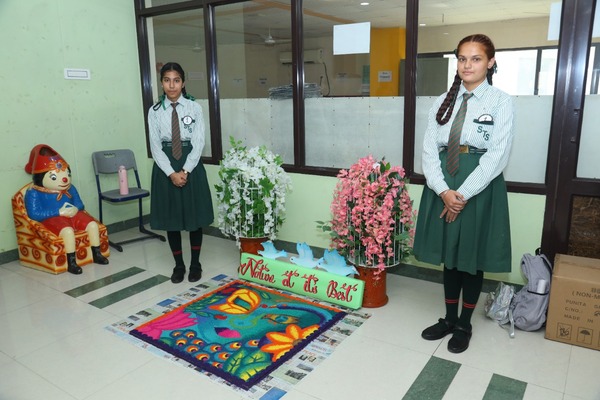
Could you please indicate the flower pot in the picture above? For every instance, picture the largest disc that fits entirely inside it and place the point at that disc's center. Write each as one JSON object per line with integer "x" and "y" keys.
{"x": 375, "y": 287}
{"x": 251, "y": 245}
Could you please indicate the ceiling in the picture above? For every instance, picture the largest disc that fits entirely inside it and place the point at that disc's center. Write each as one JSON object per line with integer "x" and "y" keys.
{"x": 251, "y": 22}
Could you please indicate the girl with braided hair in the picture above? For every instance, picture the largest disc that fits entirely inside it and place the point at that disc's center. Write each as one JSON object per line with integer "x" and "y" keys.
{"x": 180, "y": 195}
{"x": 463, "y": 220}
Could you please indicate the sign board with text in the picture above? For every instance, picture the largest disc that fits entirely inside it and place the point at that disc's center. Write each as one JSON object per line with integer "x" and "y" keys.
{"x": 315, "y": 283}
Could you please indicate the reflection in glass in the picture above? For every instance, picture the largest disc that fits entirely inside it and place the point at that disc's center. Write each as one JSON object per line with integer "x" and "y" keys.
{"x": 360, "y": 111}
{"x": 584, "y": 233}
{"x": 547, "y": 73}
{"x": 251, "y": 38}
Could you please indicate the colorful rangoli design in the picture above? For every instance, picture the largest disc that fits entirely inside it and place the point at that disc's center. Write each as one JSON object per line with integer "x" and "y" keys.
{"x": 240, "y": 332}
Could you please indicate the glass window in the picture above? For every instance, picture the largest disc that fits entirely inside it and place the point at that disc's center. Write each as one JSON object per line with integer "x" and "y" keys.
{"x": 587, "y": 164}
{"x": 352, "y": 106}
{"x": 155, "y": 3}
{"x": 254, "y": 82}
{"x": 179, "y": 37}
{"x": 547, "y": 74}
{"x": 516, "y": 71}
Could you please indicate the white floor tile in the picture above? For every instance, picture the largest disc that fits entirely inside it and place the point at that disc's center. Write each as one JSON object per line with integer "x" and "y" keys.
{"x": 4, "y": 359}
{"x": 533, "y": 392}
{"x": 469, "y": 383}
{"x": 528, "y": 357}
{"x": 17, "y": 291}
{"x": 582, "y": 379}
{"x": 402, "y": 320}
{"x": 297, "y": 395}
{"x": 30, "y": 328}
{"x": 86, "y": 361}
{"x": 362, "y": 367}
{"x": 66, "y": 281}
{"x": 162, "y": 379}
{"x": 140, "y": 300}
{"x": 20, "y": 383}
{"x": 569, "y": 397}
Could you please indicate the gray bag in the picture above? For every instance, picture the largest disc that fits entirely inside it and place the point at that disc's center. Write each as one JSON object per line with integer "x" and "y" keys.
{"x": 530, "y": 304}
{"x": 498, "y": 306}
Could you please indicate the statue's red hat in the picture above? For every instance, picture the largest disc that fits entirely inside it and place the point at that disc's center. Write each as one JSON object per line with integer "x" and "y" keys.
{"x": 44, "y": 158}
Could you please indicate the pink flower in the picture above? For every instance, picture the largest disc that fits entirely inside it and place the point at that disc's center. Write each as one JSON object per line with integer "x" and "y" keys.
{"x": 372, "y": 217}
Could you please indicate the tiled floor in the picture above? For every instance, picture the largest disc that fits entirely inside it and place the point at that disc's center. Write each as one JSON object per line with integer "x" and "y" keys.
{"x": 54, "y": 346}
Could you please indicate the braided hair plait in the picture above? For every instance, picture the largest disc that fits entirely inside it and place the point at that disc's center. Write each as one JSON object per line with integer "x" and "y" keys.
{"x": 445, "y": 110}
{"x": 490, "y": 72}
{"x": 161, "y": 98}
{"x": 186, "y": 95}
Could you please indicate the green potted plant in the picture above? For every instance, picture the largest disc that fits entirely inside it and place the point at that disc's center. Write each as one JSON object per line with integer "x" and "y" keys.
{"x": 372, "y": 222}
{"x": 251, "y": 194}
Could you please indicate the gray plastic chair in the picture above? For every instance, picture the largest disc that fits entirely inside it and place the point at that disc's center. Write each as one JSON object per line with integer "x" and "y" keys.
{"x": 108, "y": 162}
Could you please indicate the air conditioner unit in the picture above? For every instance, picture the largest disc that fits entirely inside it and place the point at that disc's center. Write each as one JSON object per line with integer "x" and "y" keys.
{"x": 310, "y": 57}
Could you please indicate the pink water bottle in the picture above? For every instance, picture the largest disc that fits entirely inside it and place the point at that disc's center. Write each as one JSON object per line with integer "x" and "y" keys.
{"x": 123, "y": 184}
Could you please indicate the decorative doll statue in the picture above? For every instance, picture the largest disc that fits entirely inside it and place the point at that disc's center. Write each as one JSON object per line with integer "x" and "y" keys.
{"x": 54, "y": 202}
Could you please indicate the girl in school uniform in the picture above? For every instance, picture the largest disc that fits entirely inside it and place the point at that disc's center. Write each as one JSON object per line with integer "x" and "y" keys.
{"x": 463, "y": 220}
{"x": 180, "y": 195}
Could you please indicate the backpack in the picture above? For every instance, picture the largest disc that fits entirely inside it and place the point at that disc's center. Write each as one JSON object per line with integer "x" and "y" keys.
{"x": 498, "y": 306}
{"x": 530, "y": 304}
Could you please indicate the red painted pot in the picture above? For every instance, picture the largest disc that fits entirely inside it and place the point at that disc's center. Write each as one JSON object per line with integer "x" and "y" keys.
{"x": 375, "y": 294}
{"x": 251, "y": 245}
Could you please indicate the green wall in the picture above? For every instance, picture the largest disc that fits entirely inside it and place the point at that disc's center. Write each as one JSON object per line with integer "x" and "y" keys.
{"x": 77, "y": 117}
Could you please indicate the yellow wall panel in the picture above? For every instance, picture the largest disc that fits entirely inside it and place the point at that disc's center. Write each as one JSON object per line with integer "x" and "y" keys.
{"x": 388, "y": 47}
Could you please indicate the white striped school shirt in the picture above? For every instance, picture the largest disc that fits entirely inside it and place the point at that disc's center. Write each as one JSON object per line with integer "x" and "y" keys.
{"x": 191, "y": 124}
{"x": 488, "y": 125}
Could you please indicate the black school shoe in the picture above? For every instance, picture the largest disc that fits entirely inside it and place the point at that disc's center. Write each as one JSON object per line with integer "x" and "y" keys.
{"x": 439, "y": 330}
{"x": 178, "y": 274}
{"x": 460, "y": 340}
{"x": 195, "y": 273}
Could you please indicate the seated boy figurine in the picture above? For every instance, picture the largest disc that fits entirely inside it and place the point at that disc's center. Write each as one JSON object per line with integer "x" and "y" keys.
{"x": 54, "y": 202}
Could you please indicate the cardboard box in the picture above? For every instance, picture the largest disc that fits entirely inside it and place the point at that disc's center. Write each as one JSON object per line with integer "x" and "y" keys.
{"x": 574, "y": 309}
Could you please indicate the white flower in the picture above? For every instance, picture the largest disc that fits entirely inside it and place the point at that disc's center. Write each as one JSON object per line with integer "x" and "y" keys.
{"x": 251, "y": 192}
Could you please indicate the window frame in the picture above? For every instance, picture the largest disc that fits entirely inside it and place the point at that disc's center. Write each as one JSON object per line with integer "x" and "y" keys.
{"x": 299, "y": 165}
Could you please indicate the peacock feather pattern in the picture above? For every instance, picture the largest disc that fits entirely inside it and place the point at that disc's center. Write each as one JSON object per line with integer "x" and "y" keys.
{"x": 240, "y": 331}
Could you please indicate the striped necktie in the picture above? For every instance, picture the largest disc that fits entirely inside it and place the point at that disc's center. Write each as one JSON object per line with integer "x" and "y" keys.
{"x": 454, "y": 139}
{"x": 175, "y": 134}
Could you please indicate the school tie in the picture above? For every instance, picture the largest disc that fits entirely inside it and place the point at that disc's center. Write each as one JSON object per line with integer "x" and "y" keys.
{"x": 454, "y": 140}
{"x": 175, "y": 134}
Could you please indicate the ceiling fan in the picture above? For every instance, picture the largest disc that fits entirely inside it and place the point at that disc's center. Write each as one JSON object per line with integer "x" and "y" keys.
{"x": 270, "y": 41}
{"x": 196, "y": 48}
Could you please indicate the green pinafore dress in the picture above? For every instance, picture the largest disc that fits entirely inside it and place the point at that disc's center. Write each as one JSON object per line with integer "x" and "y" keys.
{"x": 180, "y": 209}
{"x": 479, "y": 238}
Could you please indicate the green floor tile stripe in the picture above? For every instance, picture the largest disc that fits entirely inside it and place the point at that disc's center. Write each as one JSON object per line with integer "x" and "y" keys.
{"x": 100, "y": 283}
{"x": 129, "y": 291}
{"x": 433, "y": 381}
{"x": 504, "y": 388}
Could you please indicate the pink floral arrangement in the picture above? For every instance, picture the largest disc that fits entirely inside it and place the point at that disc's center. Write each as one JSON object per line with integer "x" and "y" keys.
{"x": 373, "y": 218}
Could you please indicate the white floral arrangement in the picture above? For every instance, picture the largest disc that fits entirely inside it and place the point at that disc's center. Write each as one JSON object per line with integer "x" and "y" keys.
{"x": 251, "y": 192}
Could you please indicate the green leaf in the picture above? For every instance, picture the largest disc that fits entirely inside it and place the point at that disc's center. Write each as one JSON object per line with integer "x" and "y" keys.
{"x": 235, "y": 361}
{"x": 248, "y": 371}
